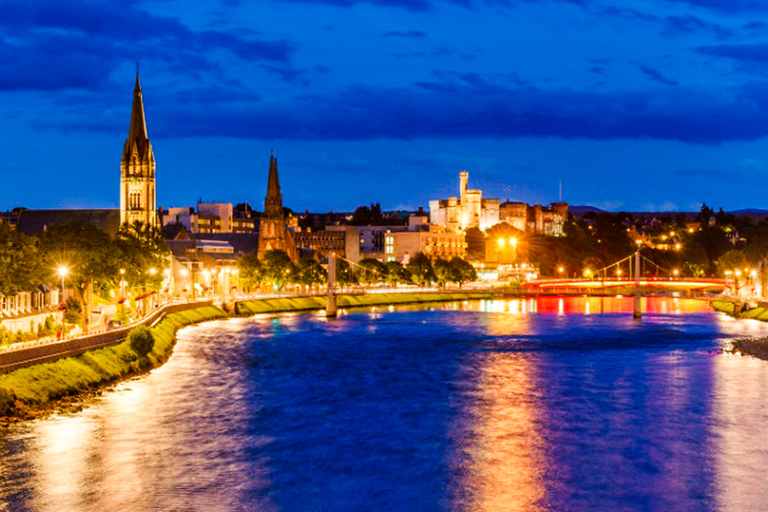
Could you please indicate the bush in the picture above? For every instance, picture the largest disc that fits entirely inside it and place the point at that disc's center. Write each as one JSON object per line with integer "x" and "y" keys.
{"x": 141, "y": 340}
{"x": 73, "y": 312}
{"x": 7, "y": 403}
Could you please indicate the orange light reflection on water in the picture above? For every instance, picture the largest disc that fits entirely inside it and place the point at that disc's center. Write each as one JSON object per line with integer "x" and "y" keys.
{"x": 506, "y": 459}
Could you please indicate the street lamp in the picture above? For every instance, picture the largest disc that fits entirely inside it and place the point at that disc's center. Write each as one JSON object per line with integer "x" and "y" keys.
{"x": 122, "y": 283}
{"x": 63, "y": 271}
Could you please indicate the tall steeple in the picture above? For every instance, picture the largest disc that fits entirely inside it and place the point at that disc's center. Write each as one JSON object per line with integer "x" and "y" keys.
{"x": 273, "y": 204}
{"x": 137, "y": 134}
{"x": 137, "y": 168}
{"x": 273, "y": 230}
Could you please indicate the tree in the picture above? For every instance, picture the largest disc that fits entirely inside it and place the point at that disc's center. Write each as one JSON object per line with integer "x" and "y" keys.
{"x": 278, "y": 268}
{"x": 88, "y": 253}
{"x": 420, "y": 268}
{"x": 367, "y": 216}
{"x": 20, "y": 265}
{"x": 733, "y": 261}
{"x": 461, "y": 271}
{"x": 442, "y": 271}
{"x": 704, "y": 215}
{"x": 396, "y": 273}
{"x": 251, "y": 272}
{"x": 310, "y": 272}
{"x": 344, "y": 274}
{"x": 142, "y": 254}
{"x": 371, "y": 270}
{"x": 475, "y": 243}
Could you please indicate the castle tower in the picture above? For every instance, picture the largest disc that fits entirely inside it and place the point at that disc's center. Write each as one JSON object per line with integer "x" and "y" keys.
{"x": 137, "y": 169}
{"x": 273, "y": 232}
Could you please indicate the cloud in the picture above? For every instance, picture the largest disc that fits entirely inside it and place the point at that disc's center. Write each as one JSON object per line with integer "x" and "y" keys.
{"x": 50, "y": 45}
{"x": 410, "y": 34}
{"x": 749, "y": 53}
{"x": 686, "y": 25}
{"x": 470, "y": 105}
{"x": 667, "y": 206}
{"x": 727, "y": 6}
{"x": 656, "y": 75}
{"x": 674, "y": 25}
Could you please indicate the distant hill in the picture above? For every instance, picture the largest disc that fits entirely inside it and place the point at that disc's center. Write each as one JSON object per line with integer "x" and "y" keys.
{"x": 755, "y": 213}
{"x": 580, "y": 211}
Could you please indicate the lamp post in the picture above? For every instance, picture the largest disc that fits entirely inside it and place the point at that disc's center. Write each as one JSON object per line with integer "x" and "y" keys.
{"x": 63, "y": 271}
{"x": 122, "y": 283}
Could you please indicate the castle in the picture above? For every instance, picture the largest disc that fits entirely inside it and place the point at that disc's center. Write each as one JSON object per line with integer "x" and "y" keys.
{"x": 470, "y": 209}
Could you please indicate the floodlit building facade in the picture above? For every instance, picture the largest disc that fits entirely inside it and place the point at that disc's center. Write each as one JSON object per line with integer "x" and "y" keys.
{"x": 137, "y": 169}
{"x": 470, "y": 209}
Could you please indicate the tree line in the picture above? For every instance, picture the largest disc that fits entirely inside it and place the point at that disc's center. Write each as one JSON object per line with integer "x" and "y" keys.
{"x": 276, "y": 271}
{"x": 92, "y": 260}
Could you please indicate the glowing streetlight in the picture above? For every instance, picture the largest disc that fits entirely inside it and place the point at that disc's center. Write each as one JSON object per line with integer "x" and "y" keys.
{"x": 677, "y": 247}
{"x": 501, "y": 242}
{"x": 63, "y": 271}
{"x": 513, "y": 242}
{"x": 152, "y": 271}
{"x": 676, "y": 272}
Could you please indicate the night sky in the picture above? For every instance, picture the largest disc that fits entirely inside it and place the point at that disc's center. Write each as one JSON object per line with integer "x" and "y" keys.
{"x": 653, "y": 105}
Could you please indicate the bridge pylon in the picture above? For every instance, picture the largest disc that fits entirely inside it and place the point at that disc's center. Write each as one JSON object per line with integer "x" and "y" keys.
{"x": 637, "y": 310}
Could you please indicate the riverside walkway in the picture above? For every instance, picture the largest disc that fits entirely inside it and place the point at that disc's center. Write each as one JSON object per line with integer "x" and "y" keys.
{"x": 30, "y": 353}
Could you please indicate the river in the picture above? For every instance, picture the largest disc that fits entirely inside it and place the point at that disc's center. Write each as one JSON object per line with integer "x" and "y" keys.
{"x": 555, "y": 404}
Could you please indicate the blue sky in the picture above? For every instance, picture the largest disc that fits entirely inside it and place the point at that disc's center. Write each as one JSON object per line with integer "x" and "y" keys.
{"x": 632, "y": 105}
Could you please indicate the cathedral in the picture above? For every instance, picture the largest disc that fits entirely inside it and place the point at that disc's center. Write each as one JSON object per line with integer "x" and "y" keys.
{"x": 273, "y": 230}
{"x": 137, "y": 169}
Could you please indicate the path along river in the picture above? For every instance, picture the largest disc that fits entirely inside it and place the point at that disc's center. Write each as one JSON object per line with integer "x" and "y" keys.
{"x": 555, "y": 404}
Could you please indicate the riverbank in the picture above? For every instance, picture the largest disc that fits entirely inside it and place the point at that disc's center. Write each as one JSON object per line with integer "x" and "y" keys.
{"x": 60, "y": 385}
{"x": 756, "y": 347}
{"x": 284, "y": 305}
{"x": 63, "y": 385}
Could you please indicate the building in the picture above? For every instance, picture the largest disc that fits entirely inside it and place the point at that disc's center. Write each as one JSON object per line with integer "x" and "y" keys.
{"x": 32, "y": 222}
{"x": 137, "y": 169}
{"x": 209, "y": 218}
{"x": 470, "y": 209}
{"x": 457, "y": 214}
{"x": 434, "y": 243}
{"x": 273, "y": 229}
{"x": 537, "y": 219}
{"x": 323, "y": 243}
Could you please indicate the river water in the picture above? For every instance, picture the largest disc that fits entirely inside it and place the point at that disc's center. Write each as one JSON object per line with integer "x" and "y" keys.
{"x": 520, "y": 405}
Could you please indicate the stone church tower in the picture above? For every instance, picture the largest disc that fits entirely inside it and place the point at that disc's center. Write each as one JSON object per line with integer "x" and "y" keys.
{"x": 137, "y": 169}
{"x": 273, "y": 232}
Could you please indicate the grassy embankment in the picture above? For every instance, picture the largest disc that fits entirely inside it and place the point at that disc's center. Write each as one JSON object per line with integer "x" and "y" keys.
{"x": 28, "y": 392}
{"x": 757, "y": 347}
{"x": 282, "y": 305}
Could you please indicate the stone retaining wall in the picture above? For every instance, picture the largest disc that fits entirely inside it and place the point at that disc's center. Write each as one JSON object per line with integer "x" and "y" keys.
{"x": 47, "y": 352}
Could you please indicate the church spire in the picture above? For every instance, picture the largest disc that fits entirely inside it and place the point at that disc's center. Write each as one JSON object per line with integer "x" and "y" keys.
{"x": 137, "y": 168}
{"x": 273, "y": 204}
{"x": 138, "y": 130}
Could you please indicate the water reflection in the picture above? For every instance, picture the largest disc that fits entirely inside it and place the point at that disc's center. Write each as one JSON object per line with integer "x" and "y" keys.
{"x": 504, "y": 450}
{"x": 741, "y": 414}
{"x": 524, "y": 404}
